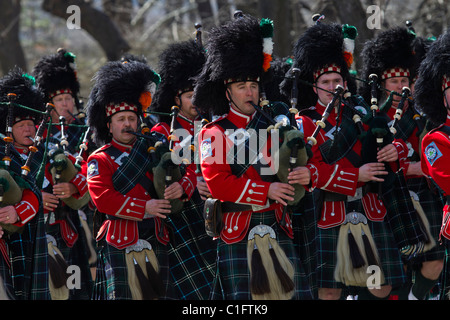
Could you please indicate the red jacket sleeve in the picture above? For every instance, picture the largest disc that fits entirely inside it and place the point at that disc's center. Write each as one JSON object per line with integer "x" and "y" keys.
{"x": 106, "y": 198}
{"x": 27, "y": 207}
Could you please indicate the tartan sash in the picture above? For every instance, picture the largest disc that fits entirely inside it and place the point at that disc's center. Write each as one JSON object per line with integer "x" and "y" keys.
{"x": 238, "y": 165}
{"x": 133, "y": 167}
{"x": 235, "y": 160}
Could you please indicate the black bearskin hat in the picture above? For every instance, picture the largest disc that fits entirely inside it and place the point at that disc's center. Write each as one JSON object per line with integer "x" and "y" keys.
{"x": 127, "y": 57}
{"x": 389, "y": 54}
{"x": 178, "y": 65}
{"x": 319, "y": 50}
{"x": 56, "y": 73}
{"x": 433, "y": 80}
{"x": 236, "y": 51}
{"x": 27, "y": 94}
{"x": 420, "y": 48}
{"x": 119, "y": 87}
{"x": 279, "y": 67}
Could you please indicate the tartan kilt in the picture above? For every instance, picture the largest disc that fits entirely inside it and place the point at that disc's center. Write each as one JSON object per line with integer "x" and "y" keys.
{"x": 111, "y": 281}
{"x": 233, "y": 276}
{"x": 390, "y": 259}
{"x": 401, "y": 214}
{"x": 191, "y": 253}
{"x": 28, "y": 258}
{"x": 5, "y": 273}
{"x": 432, "y": 203}
{"x": 76, "y": 255}
{"x": 304, "y": 225}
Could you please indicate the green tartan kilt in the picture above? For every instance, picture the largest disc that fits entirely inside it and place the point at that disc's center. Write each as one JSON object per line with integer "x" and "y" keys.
{"x": 433, "y": 205}
{"x": 390, "y": 259}
{"x": 233, "y": 276}
{"x": 111, "y": 281}
{"x": 6, "y": 280}
{"x": 28, "y": 258}
{"x": 304, "y": 222}
{"x": 191, "y": 252}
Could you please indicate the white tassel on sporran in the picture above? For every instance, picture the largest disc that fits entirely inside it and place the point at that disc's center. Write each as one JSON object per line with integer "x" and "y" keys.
{"x": 271, "y": 271}
{"x": 356, "y": 251}
{"x": 143, "y": 272}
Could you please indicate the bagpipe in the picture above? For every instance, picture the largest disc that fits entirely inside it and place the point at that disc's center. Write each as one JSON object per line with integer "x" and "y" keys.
{"x": 292, "y": 151}
{"x": 168, "y": 171}
{"x": 63, "y": 168}
{"x": 271, "y": 271}
{"x": 404, "y": 215}
{"x": 162, "y": 161}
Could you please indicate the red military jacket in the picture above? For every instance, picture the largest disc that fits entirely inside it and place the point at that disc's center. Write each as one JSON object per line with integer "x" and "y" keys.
{"x": 247, "y": 189}
{"x": 125, "y": 210}
{"x": 340, "y": 177}
{"x": 434, "y": 164}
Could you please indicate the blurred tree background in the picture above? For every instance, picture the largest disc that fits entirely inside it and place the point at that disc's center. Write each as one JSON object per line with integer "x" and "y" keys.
{"x": 30, "y": 29}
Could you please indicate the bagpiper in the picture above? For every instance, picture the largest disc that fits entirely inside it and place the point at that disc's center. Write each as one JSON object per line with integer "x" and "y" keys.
{"x": 393, "y": 57}
{"x": 192, "y": 253}
{"x": 245, "y": 212}
{"x": 23, "y": 259}
{"x": 133, "y": 235}
{"x": 352, "y": 234}
{"x": 432, "y": 98}
{"x": 64, "y": 185}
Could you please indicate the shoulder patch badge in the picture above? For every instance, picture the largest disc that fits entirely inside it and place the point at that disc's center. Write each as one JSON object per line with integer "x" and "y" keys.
{"x": 92, "y": 169}
{"x": 432, "y": 153}
{"x": 206, "y": 149}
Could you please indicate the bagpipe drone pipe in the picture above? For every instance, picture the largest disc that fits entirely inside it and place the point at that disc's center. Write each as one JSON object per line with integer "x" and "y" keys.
{"x": 64, "y": 167}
